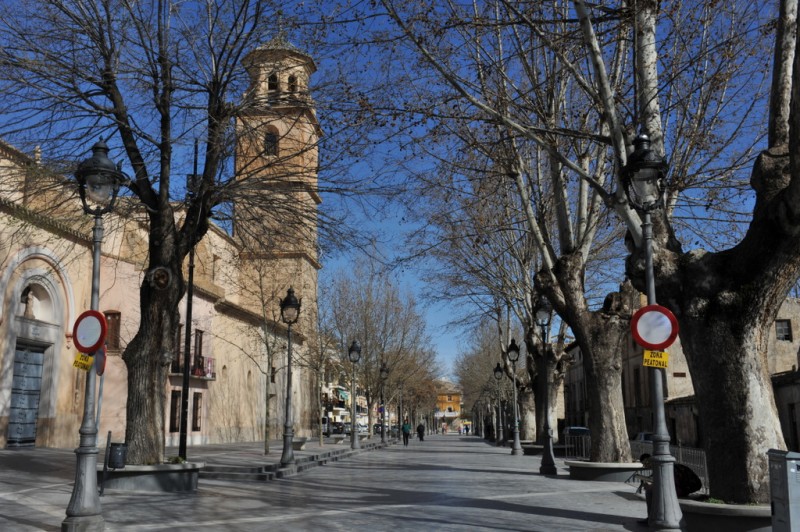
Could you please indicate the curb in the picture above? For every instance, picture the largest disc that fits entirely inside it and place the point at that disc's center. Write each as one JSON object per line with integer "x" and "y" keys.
{"x": 267, "y": 472}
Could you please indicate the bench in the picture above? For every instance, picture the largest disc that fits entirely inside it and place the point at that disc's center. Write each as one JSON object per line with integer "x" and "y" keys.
{"x": 298, "y": 444}
{"x": 339, "y": 438}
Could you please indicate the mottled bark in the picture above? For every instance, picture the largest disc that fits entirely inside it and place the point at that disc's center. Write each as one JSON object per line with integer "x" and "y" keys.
{"x": 548, "y": 379}
{"x": 601, "y": 336}
{"x": 527, "y": 415}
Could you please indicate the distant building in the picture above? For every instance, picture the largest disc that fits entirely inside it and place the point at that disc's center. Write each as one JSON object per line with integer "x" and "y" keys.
{"x": 448, "y": 406}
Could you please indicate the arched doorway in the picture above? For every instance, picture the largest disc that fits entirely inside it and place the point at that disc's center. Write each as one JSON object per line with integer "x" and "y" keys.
{"x": 26, "y": 390}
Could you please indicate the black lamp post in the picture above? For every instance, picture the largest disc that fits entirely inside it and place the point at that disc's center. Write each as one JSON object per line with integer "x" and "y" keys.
{"x": 98, "y": 185}
{"x": 354, "y": 354}
{"x": 543, "y": 316}
{"x": 384, "y": 375}
{"x": 513, "y": 356}
{"x": 290, "y": 311}
{"x": 183, "y": 430}
{"x": 498, "y": 375}
{"x": 643, "y": 178}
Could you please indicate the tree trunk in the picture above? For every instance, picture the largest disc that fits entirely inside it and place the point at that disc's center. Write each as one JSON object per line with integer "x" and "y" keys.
{"x": 527, "y": 415}
{"x": 601, "y": 336}
{"x": 547, "y": 378}
{"x": 150, "y": 352}
{"x": 738, "y": 415}
{"x": 726, "y": 304}
{"x": 148, "y": 357}
{"x": 606, "y": 334}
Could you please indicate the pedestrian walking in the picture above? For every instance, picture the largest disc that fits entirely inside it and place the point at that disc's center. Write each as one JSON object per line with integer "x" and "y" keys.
{"x": 421, "y": 432}
{"x": 406, "y": 432}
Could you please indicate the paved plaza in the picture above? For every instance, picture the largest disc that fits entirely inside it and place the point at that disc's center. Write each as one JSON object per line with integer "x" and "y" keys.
{"x": 448, "y": 482}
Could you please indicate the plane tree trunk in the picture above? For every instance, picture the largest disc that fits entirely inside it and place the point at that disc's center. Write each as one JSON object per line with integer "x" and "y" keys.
{"x": 726, "y": 303}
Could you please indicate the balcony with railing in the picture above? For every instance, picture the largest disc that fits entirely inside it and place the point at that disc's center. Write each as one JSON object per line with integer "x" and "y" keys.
{"x": 200, "y": 367}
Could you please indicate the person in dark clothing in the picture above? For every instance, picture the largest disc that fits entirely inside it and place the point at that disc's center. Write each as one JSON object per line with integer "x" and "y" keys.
{"x": 406, "y": 432}
{"x": 421, "y": 432}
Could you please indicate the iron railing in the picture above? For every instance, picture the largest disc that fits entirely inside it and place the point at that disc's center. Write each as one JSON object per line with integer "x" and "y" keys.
{"x": 689, "y": 456}
{"x": 577, "y": 446}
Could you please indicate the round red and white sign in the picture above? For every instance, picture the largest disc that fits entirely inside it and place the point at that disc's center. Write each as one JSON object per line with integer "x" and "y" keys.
{"x": 654, "y": 327}
{"x": 89, "y": 332}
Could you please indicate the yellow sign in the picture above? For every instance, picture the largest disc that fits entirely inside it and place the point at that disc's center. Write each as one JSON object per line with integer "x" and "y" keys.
{"x": 84, "y": 362}
{"x": 656, "y": 359}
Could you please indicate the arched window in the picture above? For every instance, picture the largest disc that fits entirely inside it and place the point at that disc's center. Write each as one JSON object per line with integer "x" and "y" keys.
{"x": 292, "y": 83}
{"x": 271, "y": 143}
{"x": 272, "y": 83}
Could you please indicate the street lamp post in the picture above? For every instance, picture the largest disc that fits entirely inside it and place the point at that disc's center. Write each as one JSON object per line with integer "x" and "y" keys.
{"x": 290, "y": 311}
{"x": 384, "y": 375}
{"x": 543, "y": 315}
{"x": 498, "y": 375}
{"x": 354, "y": 354}
{"x": 98, "y": 185}
{"x": 513, "y": 356}
{"x": 191, "y": 192}
{"x": 643, "y": 179}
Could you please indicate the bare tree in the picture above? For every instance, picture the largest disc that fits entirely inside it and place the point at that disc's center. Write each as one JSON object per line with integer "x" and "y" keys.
{"x": 151, "y": 78}
{"x": 704, "y": 85}
{"x": 366, "y": 306}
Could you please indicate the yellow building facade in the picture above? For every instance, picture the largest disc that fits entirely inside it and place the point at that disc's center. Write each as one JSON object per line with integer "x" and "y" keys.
{"x": 448, "y": 406}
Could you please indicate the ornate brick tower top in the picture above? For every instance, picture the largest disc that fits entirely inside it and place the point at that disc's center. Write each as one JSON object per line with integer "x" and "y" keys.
{"x": 279, "y": 74}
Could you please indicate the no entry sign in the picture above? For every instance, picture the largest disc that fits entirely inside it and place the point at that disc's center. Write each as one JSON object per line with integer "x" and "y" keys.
{"x": 654, "y": 327}
{"x": 89, "y": 332}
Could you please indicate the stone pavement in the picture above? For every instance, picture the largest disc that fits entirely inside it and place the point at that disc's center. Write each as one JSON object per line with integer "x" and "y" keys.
{"x": 447, "y": 482}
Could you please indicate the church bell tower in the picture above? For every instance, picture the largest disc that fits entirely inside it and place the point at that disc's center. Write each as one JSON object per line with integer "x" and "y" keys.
{"x": 275, "y": 215}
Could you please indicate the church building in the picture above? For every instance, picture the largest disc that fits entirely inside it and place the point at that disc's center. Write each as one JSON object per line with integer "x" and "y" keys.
{"x": 238, "y": 342}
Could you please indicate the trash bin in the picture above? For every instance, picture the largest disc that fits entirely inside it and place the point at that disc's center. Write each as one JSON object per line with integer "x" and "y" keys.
{"x": 116, "y": 458}
{"x": 784, "y": 484}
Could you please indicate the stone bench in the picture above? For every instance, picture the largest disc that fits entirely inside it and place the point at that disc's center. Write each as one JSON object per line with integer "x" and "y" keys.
{"x": 339, "y": 438}
{"x": 298, "y": 444}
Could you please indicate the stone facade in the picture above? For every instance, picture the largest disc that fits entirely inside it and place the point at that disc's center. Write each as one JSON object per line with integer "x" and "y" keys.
{"x": 45, "y": 278}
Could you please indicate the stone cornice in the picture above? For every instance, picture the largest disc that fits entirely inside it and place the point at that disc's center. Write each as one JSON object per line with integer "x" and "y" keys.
{"x": 287, "y": 255}
{"x": 42, "y": 221}
{"x": 228, "y": 307}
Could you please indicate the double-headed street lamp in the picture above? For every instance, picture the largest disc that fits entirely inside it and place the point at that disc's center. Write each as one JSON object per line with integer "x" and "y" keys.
{"x": 384, "y": 375}
{"x": 98, "y": 185}
{"x": 290, "y": 311}
{"x": 643, "y": 179}
{"x": 543, "y": 315}
{"x": 498, "y": 375}
{"x": 354, "y": 354}
{"x": 513, "y": 356}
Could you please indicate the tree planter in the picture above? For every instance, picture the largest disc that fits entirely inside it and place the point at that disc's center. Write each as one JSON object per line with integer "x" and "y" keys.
{"x": 181, "y": 478}
{"x": 728, "y": 517}
{"x": 602, "y": 471}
